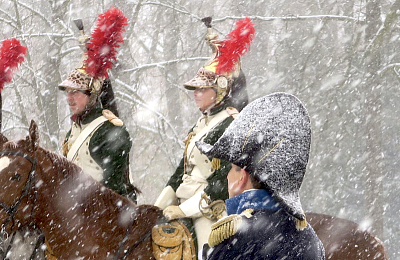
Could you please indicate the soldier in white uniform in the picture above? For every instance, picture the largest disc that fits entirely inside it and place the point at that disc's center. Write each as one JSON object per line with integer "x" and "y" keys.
{"x": 199, "y": 179}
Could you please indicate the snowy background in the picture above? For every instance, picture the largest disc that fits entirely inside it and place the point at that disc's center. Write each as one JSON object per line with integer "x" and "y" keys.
{"x": 339, "y": 57}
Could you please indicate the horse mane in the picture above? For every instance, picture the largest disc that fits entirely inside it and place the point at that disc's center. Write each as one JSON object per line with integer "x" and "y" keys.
{"x": 61, "y": 163}
{"x": 69, "y": 169}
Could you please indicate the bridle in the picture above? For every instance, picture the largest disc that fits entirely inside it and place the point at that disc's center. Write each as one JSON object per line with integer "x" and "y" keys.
{"x": 29, "y": 185}
{"x": 11, "y": 210}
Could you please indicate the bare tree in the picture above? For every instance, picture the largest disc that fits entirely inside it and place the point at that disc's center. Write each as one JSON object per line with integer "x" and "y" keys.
{"x": 341, "y": 58}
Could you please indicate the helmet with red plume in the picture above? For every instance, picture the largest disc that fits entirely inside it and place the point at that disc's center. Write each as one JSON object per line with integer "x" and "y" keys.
{"x": 12, "y": 54}
{"x": 100, "y": 54}
{"x": 224, "y": 68}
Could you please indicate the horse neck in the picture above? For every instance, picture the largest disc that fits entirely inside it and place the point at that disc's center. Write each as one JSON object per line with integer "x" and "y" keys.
{"x": 69, "y": 199}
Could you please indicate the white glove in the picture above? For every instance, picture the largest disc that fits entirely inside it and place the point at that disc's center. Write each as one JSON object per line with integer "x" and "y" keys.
{"x": 173, "y": 212}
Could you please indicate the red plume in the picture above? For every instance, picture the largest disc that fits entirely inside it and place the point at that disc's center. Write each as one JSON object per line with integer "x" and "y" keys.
{"x": 104, "y": 41}
{"x": 12, "y": 53}
{"x": 238, "y": 43}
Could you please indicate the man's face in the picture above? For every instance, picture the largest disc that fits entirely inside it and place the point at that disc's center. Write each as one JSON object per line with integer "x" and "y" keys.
{"x": 204, "y": 98}
{"x": 77, "y": 101}
{"x": 235, "y": 175}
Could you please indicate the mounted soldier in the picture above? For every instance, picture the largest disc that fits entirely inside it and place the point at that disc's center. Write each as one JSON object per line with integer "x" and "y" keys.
{"x": 196, "y": 190}
{"x": 98, "y": 141}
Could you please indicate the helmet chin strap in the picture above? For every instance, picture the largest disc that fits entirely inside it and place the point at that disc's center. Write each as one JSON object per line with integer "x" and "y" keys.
{"x": 93, "y": 99}
{"x": 95, "y": 87}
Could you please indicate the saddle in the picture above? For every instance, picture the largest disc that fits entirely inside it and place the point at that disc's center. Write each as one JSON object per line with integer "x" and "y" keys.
{"x": 173, "y": 241}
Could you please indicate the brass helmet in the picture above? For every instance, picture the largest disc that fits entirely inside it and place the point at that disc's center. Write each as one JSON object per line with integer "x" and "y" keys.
{"x": 91, "y": 74}
{"x": 78, "y": 79}
{"x": 219, "y": 72}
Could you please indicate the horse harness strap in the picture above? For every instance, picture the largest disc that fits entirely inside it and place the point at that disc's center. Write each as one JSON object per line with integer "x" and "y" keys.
{"x": 131, "y": 248}
{"x": 28, "y": 185}
{"x": 11, "y": 209}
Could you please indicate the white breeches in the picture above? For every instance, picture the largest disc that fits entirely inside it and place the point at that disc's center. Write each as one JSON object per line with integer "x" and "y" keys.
{"x": 202, "y": 227}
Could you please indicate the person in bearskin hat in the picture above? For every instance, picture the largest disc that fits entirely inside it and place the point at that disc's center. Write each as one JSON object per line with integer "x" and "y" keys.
{"x": 268, "y": 145}
{"x": 198, "y": 186}
{"x": 98, "y": 141}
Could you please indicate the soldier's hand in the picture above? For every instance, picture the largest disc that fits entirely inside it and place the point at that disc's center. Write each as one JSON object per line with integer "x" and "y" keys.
{"x": 173, "y": 212}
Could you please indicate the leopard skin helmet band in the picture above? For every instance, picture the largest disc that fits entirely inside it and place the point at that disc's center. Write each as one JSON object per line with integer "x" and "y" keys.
{"x": 77, "y": 79}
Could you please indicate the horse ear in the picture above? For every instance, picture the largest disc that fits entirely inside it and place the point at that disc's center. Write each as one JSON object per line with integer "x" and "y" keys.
{"x": 3, "y": 139}
{"x": 34, "y": 134}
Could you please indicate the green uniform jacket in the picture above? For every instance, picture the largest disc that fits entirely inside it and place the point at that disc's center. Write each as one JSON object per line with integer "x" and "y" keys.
{"x": 109, "y": 146}
{"x": 217, "y": 188}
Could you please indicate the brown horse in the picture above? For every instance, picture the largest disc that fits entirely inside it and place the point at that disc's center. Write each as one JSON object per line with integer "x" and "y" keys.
{"x": 80, "y": 218}
{"x": 344, "y": 239}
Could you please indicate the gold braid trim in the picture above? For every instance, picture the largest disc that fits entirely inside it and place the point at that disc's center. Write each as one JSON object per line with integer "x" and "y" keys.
{"x": 270, "y": 151}
{"x": 227, "y": 227}
{"x": 224, "y": 229}
{"x": 186, "y": 141}
{"x": 65, "y": 148}
{"x": 301, "y": 224}
{"x": 215, "y": 164}
{"x": 248, "y": 135}
{"x": 49, "y": 254}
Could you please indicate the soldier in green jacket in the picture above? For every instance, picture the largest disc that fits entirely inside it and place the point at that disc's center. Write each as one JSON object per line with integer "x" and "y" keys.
{"x": 98, "y": 141}
{"x": 199, "y": 185}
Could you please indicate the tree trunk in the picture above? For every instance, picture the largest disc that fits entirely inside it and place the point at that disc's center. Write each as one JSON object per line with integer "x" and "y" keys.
{"x": 171, "y": 72}
{"x": 373, "y": 171}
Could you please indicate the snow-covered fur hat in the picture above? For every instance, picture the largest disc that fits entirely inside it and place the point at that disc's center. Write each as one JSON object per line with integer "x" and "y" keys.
{"x": 270, "y": 139}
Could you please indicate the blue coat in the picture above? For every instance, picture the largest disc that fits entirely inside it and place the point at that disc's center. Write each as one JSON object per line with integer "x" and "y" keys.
{"x": 268, "y": 233}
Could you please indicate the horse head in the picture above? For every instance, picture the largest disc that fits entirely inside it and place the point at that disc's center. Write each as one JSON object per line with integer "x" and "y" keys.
{"x": 68, "y": 206}
{"x": 17, "y": 167}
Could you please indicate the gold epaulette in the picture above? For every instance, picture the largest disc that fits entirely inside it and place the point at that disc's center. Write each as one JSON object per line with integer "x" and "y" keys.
{"x": 112, "y": 118}
{"x": 227, "y": 227}
{"x": 232, "y": 112}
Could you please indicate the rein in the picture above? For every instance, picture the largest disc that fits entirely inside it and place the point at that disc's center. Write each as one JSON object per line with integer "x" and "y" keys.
{"x": 131, "y": 248}
{"x": 11, "y": 210}
{"x": 28, "y": 186}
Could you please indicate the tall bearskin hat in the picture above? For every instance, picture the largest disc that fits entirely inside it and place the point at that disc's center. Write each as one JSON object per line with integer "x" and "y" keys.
{"x": 224, "y": 65}
{"x": 100, "y": 53}
{"x": 270, "y": 139}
